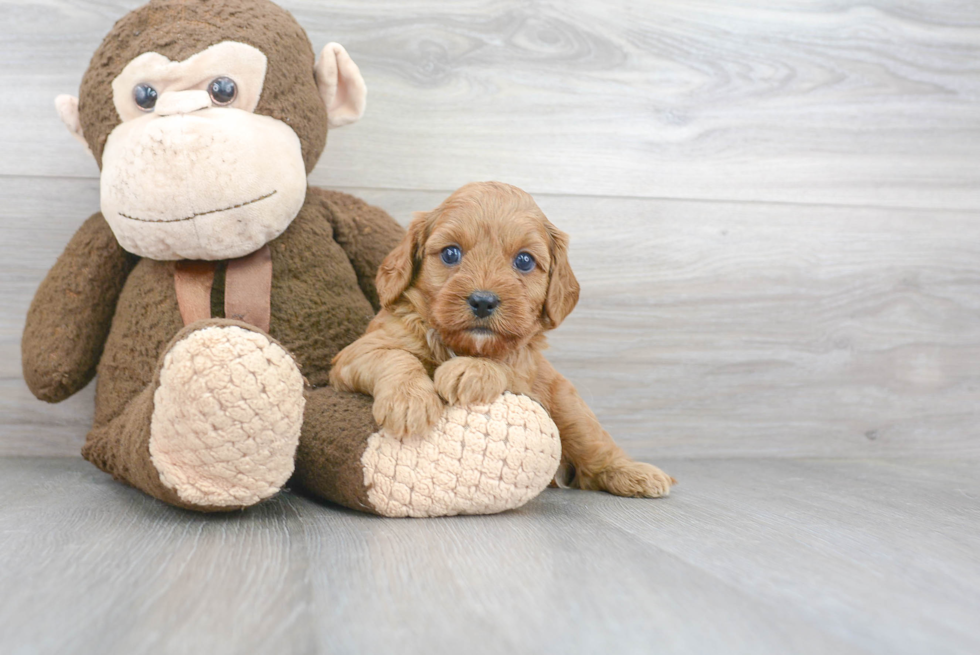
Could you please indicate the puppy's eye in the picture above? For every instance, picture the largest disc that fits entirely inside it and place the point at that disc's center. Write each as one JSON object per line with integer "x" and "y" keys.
{"x": 223, "y": 90}
{"x": 145, "y": 96}
{"x": 524, "y": 262}
{"x": 451, "y": 255}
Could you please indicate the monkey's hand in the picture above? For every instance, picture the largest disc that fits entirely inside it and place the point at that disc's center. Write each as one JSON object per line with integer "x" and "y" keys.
{"x": 70, "y": 316}
{"x": 470, "y": 380}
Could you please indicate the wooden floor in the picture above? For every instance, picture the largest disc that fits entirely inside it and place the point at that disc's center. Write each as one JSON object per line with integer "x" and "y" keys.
{"x": 748, "y": 556}
{"x": 774, "y": 210}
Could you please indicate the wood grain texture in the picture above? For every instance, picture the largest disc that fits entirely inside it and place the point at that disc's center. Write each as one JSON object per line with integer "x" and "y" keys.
{"x": 829, "y": 101}
{"x": 773, "y": 212}
{"x": 704, "y": 328}
{"x": 859, "y": 547}
{"x": 734, "y": 329}
{"x": 747, "y": 556}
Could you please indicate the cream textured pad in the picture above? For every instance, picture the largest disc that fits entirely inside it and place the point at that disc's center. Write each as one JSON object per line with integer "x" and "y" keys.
{"x": 226, "y": 417}
{"x": 482, "y": 459}
{"x": 160, "y": 205}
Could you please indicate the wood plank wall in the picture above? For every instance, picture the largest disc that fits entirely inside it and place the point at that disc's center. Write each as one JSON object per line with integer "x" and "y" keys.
{"x": 773, "y": 205}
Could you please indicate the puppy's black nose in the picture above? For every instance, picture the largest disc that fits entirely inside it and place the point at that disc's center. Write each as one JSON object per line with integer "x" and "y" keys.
{"x": 483, "y": 303}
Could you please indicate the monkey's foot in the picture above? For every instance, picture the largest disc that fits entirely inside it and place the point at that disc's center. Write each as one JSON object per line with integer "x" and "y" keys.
{"x": 226, "y": 417}
{"x": 480, "y": 459}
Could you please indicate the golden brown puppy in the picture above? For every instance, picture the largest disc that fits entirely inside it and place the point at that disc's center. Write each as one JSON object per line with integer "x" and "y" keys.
{"x": 466, "y": 299}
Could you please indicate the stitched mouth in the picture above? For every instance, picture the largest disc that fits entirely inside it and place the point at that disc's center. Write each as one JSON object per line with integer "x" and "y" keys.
{"x": 193, "y": 216}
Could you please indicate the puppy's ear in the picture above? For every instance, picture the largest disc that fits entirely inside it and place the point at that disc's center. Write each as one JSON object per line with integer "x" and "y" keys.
{"x": 563, "y": 288}
{"x": 399, "y": 267}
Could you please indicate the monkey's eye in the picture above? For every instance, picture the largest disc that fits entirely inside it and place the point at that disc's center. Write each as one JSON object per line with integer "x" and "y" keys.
{"x": 451, "y": 255}
{"x": 524, "y": 262}
{"x": 223, "y": 90}
{"x": 145, "y": 96}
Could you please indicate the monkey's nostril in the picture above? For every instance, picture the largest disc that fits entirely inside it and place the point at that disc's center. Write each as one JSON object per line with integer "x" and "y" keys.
{"x": 482, "y": 303}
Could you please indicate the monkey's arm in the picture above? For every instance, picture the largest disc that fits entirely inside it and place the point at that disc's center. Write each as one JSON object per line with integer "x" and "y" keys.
{"x": 367, "y": 234}
{"x": 71, "y": 313}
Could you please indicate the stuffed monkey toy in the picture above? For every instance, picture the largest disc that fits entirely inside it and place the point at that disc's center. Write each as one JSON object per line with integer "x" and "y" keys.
{"x": 215, "y": 286}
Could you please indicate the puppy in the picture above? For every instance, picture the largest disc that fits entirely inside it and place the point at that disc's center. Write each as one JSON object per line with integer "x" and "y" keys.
{"x": 467, "y": 297}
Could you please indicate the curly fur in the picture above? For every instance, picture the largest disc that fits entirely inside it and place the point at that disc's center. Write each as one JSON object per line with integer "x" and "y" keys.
{"x": 427, "y": 347}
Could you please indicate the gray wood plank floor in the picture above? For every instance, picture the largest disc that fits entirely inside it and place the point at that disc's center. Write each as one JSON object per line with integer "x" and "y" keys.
{"x": 704, "y": 327}
{"x": 834, "y": 101}
{"x": 838, "y": 315}
{"x": 747, "y": 556}
{"x": 774, "y": 216}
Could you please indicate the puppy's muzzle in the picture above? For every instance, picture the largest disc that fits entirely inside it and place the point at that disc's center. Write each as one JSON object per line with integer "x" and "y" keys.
{"x": 483, "y": 303}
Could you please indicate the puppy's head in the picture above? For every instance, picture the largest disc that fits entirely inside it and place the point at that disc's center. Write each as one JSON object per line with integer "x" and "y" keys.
{"x": 485, "y": 269}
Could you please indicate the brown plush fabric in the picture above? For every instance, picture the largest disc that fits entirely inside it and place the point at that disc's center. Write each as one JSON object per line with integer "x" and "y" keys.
{"x": 147, "y": 318}
{"x": 122, "y": 449}
{"x": 317, "y": 308}
{"x": 365, "y": 233}
{"x": 121, "y": 446}
{"x": 177, "y": 29}
{"x": 323, "y": 267}
{"x": 70, "y": 315}
{"x": 317, "y": 304}
{"x": 336, "y": 427}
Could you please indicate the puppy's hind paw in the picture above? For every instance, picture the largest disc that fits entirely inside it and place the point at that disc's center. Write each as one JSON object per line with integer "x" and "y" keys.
{"x": 635, "y": 479}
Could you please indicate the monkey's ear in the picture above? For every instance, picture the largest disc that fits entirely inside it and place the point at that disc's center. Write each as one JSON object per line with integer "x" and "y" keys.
{"x": 67, "y": 107}
{"x": 563, "y": 288}
{"x": 341, "y": 86}
{"x": 398, "y": 268}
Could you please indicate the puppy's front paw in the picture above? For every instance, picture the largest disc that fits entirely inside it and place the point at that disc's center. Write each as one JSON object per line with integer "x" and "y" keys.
{"x": 636, "y": 479}
{"x": 470, "y": 380}
{"x": 407, "y": 408}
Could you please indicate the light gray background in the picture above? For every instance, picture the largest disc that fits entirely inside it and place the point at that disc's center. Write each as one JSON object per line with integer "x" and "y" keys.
{"x": 774, "y": 217}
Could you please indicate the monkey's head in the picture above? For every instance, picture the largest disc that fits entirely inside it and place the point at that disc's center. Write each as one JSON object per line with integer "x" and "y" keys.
{"x": 205, "y": 117}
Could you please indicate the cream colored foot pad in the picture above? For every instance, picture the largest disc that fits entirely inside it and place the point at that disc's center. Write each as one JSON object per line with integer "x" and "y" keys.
{"x": 226, "y": 417}
{"x": 480, "y": 460}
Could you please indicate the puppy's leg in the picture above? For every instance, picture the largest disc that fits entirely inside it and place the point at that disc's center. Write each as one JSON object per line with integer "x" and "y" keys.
{"x": 470, "y": 380}
{"x": 405, "y": 399}
{"x": 599, "y": 463}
